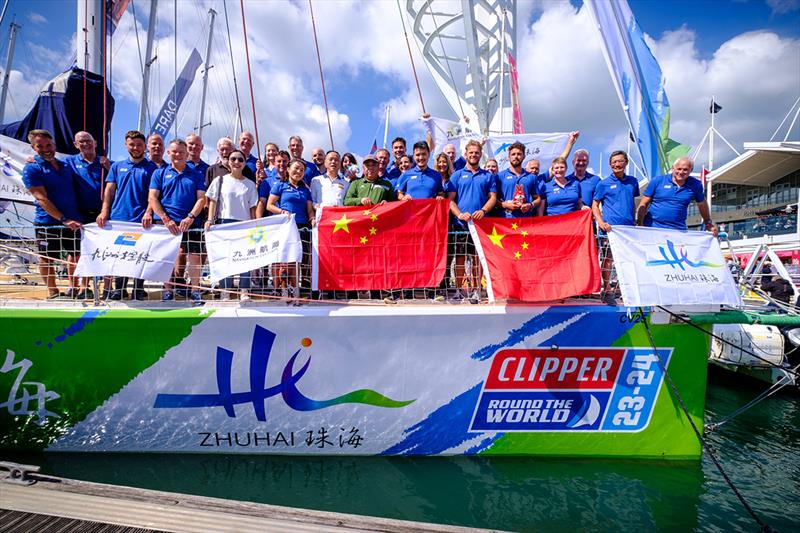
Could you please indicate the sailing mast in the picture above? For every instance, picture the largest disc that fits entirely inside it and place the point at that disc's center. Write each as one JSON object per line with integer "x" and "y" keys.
{"x": 148, "y": 61}
{"x": 206, "y": 68}
{"x": 12, "y": 39}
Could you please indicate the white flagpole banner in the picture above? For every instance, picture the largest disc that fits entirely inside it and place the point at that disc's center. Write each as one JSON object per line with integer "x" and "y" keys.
{"x": 126, "y": 249}
{"x": 542, "y": 146}
{"x": 668, "y": 267}
{"x": 242, "y": 246}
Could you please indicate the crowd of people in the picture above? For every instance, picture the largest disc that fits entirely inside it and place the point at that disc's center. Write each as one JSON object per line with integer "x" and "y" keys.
{"x": 189, "y": 196}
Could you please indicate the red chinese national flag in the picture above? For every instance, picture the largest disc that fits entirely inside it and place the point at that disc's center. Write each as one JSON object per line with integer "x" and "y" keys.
{"x": 539, "y": 259}
{"x": 398, "y": 245}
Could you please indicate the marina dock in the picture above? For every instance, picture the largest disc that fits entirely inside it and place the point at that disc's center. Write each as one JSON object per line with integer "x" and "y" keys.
{"x": 71, "y": 506}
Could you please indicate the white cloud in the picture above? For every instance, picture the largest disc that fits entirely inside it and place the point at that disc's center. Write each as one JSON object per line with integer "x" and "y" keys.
{"x": 37, "y": 18}
{"x": 564, "y": 81}
{"x": 780, "y": 7}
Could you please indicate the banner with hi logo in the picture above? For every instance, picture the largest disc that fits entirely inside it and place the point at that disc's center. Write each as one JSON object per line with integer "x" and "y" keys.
{"x": 668, "y": 267}
{"x": 242, "y": 246}
{"x": 125, "y": 249}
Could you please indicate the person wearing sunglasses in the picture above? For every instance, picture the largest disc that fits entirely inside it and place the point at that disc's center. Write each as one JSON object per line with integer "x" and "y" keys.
{"x": 232, "y": 198}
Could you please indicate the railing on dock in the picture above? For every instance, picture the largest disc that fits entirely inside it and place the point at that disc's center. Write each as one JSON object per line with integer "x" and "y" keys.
{"x": 20, "y": 279}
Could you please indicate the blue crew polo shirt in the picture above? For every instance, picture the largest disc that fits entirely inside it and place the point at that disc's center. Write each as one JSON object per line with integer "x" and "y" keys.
{"x": 459, "y": 163}
{"x": 507, "y": 183}
{"x": 448, "y": 187}
{"x": 292, "y": 199}
{"x": 393, "y": 174}
{"x": 670, "y": 203}
{"x": 178, "y": 190}
{"x": 562, "y": 200}
{"x": 472, "y": 189}
{"x": 200, "y": 167}
{"x": 88, "y": 181}
{"x": 251, "y": 163}
{"x": 616, "y": 196}
{"x": 163, "y": 164}
{"x": 264, "y": 188}
{"x": 588, "y": 185}
{"x": 59, "y": 186}
{"x": 311, "y": 172}
{"x": 420, "y": 183}
{"x": 133, "y": 183}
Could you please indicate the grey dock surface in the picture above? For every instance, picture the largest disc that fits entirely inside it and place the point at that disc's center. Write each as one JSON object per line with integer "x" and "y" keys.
{"x": 69, "y": 506}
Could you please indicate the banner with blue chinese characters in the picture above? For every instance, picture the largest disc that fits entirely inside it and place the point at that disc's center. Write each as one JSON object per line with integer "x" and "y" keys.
{"x": 126, "y": 249}
{"x": 669, "y": 267}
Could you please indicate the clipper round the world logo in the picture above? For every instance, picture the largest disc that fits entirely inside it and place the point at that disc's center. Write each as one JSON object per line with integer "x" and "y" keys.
{"x": 570, "y": 389}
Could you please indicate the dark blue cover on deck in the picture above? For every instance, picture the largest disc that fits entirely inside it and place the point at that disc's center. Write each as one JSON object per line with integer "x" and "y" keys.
{"x": 60, "y": 110}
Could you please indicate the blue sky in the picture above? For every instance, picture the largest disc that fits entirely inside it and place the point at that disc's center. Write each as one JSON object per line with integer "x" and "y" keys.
{"x": 747, "y": 53}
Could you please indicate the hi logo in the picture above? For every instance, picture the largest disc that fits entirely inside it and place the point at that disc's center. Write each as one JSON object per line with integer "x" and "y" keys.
{"x": 128, "y": 239}
{"x": 225, "y": 397}
{"x": 675, "y": 258}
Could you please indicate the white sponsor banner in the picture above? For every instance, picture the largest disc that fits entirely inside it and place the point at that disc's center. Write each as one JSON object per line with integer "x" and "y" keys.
{"x": 125, "y": 249}
{"x": 14, "y": 156}
{"x": 445, "y": 131}
{"x": 542, "y": 146}
{"x": 669, "y": 267}
{"x": 242, "y": 246}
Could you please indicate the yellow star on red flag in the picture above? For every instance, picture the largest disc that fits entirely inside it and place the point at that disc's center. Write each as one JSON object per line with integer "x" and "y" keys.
{"x": 342, "y": 224}
{"x": 495, "y": 237}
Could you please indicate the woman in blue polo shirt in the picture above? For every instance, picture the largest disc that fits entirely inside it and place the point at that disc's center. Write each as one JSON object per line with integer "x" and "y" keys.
{"x": 292, "y": 196}
{"x": 561, "y": 194}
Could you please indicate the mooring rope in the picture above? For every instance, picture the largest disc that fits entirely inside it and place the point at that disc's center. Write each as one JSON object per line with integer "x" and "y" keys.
{"x": 703, "y": 443}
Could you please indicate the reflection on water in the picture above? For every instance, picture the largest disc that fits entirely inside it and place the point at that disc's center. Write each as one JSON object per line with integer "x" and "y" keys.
{"x": 507, "y": 493}
{"x": 759, "y": 450}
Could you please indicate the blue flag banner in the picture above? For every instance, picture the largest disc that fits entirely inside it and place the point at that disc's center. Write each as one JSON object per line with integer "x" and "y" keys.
{"x": 165, "y": 118}
{"x": 638, "y": 80}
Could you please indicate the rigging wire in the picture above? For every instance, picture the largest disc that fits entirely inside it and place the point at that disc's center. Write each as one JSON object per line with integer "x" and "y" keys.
{"x": 411, "y": 57}
{"x": 321, "y": 76}
{"x": 233, "y": 68}
{"x": 175, "y": 67}
{"x": 85, "y": 54}
{"x": 139, "y": 49}
{"x": 250, "y": 78}
{"x": 703, "y": 443}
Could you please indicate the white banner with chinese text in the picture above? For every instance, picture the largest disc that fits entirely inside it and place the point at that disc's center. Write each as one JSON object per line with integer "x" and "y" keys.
{"x": 668, "y": 267}
{"x": 242, "y": 246}
{"x": 542, "y": 146}
{"x": 126, "y": 249}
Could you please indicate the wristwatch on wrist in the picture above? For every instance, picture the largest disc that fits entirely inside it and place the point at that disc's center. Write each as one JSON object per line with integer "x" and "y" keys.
{"x": 63, "y": 219}
{"x": 191, "y": 215}
{"x": 707, "y": 222}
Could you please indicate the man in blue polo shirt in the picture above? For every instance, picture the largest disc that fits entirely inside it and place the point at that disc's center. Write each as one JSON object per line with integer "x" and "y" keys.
{"x": 177, "y": 197}
{"x": 398, "y": 151}
{"x": 613, "y": 205}
{"x": 588, "y": 181}
{"x": 155, "y": 150}
{"x": 666, "y": 199}
{"x": 246, "y": 143}
{"x": 296, "y": 151}
{"x": 90, "y": 172}
{"x": 194, "y": 144}
{"x": 52, "y": 184}
{"x": 421, "y": 181}
{"x": 517, "y": 193}
{"x": 476, "y": 195}
{"x": 125, "y": 199}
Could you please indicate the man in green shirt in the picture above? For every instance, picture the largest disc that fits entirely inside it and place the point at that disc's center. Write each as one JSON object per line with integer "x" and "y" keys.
{"x": 370, "y": 189}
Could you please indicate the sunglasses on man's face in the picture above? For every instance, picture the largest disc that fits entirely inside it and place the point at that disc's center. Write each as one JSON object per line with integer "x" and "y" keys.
{"x": 239, "y": 159}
